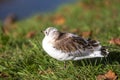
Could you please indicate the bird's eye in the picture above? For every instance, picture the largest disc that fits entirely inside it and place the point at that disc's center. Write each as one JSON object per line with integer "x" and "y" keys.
{"x": 46, "y": 32}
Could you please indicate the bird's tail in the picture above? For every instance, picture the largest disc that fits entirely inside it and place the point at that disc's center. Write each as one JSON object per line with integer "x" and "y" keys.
{"x": 97, "y": 47}
{"x": 104, "y": 51}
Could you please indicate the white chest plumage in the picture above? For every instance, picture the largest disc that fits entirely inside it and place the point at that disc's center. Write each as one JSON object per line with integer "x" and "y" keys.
{"x": 57, "y": 54}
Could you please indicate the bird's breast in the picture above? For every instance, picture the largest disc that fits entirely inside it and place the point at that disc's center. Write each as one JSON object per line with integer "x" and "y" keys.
{"x": 53, "y": 52}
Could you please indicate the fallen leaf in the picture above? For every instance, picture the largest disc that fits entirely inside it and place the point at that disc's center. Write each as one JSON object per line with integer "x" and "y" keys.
{"x": 58, "y": 19}
{"x": 10, "y": 19}
{"x": 30, "y": 34}
{"x": 9, "y": 24}
{"x": 86, "y": 34}
{"x": 101, "y": 77}
{"x": 115, "y": 41}
{"x": 110, "y": 75}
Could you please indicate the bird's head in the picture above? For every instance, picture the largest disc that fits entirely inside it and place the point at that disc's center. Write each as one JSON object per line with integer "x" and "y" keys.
{"x": 51, "y": 32}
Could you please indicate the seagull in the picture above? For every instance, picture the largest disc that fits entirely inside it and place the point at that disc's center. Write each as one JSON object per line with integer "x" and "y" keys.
{"x": 65, "y": 46}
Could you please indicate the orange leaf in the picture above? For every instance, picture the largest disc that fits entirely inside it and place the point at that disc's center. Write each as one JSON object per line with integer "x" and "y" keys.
{"x": 115, "y": 41}
{"x": 58, "y": 20}
{"x": 30, "y": 34}
{"x": 101, "y": 77}
{"x": 108, "y": 76}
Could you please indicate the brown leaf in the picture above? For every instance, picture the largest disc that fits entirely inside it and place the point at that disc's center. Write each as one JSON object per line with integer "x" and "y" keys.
{"x": 30, "y": 34}
{"x": 110, "y": 75}
{"x": 101, "y": 77}
{"x": 115, "y": 41}
{"x": 86, "y": 34}
{"x": 58, "y": 20}
{"x": 9, "y": 23}
{"x": 10, "y": 19}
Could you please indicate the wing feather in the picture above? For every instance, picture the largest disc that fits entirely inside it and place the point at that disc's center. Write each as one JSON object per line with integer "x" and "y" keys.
{"x": 74, "y": 45}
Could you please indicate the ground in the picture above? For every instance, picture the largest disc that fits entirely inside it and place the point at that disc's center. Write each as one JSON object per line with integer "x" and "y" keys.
{"x": 23, "y": 58}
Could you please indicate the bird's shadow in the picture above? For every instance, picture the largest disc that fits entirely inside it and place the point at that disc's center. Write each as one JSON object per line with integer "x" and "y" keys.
{"x": 113, "y": 56}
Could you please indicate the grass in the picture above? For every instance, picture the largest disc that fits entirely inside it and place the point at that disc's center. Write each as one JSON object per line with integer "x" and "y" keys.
{"x": 22, "y": 56}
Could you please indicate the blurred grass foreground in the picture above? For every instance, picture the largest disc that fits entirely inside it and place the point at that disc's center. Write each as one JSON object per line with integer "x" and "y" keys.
{"x": 21, "y": 54}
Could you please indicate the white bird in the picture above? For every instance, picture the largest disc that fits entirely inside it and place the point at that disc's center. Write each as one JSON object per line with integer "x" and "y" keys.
{"x": 67, "y": 46}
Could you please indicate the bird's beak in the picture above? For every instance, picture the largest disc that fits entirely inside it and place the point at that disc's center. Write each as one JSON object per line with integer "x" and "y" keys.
{"x": 43, "y": 32}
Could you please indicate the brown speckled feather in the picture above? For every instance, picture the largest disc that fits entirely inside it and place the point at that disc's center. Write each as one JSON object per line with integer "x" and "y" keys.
{"x": 67, "y": 43}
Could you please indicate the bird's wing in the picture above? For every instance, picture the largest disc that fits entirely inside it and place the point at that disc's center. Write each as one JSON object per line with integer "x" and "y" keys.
{"x": 74, "y": 45}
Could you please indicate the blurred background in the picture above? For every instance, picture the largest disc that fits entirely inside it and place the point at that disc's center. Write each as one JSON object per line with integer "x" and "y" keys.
{"x": 26, "y": 8}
